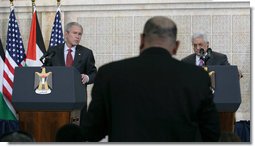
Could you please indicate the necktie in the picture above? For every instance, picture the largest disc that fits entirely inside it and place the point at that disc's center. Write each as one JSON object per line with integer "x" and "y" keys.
{"x": 201, "y": 62}
{"x": 69, "y": 58}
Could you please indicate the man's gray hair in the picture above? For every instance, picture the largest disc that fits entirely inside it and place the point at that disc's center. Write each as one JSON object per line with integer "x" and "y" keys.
{"x": 70, "y": 24}
{"x": 200, "y": 35}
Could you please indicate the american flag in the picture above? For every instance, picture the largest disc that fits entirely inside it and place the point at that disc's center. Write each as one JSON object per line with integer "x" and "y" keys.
{"x": 14, "y": 56}
{"x": 57, "y": 33}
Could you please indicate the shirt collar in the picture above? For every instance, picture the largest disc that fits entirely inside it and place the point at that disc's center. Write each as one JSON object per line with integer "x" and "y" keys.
{"x": 66, "y": 48}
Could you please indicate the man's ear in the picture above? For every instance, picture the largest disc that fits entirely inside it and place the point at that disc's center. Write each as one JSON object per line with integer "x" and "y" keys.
{"x": 141, "y": 42}
{"x": 174, "y": 50}
{"x": 65, "y": 34}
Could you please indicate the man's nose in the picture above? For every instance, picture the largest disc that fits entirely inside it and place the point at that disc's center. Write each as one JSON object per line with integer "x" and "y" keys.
{"x": 77, "y": 36}
{"x": 198, "y": 48}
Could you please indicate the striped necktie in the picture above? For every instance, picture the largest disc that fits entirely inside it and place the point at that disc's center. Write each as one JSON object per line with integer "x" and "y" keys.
{"x": 201, "y": 62}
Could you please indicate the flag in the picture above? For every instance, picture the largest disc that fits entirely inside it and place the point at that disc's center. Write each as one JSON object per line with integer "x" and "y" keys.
{"x": 36, "y": 47}
{"x": 1, "y": 51}
{"x": 56, "y": 33}
{"x": 14, "y": 56}
{"x": 5, "y": 113}
{"x": 4, "y": 110}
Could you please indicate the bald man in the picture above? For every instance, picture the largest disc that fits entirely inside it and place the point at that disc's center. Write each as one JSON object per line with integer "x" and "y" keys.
{"x": 152, "y": 97}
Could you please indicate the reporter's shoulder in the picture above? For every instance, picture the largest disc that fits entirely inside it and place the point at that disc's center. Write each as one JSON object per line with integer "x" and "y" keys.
{"x": 197, "y": 70}
{"x": 117, "y": 64}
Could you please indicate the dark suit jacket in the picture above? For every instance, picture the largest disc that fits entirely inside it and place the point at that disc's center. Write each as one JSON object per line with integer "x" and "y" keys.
{"x": 152, "y": 97}
{"x": 215, "y": 59}
{"x": 84, "y": 60}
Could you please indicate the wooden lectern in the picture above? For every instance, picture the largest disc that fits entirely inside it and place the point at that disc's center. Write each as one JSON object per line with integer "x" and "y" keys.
{"x": 43, "y": 114}
{"x": 227, "y": 95}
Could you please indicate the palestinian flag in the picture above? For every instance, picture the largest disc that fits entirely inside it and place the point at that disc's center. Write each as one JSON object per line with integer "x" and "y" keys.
{"x": 36, "y": 47}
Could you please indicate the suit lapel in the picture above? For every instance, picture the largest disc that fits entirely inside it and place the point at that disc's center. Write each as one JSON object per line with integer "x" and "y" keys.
{"x": 210, "y": 60}
{"x": 61, "y": 53}
{"x": 77, "y": 56}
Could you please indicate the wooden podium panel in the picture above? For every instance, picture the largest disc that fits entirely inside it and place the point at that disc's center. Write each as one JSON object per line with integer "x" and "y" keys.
{"x": 227, "y": 121}
{"x": 43, "y": 125}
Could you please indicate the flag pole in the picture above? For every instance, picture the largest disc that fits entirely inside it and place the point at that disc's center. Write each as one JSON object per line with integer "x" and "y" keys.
{"x": 33, "y": 6}
{"x": 58, "y": 2}
{"x": 12, "y": 5}
{"x": 11, "y": 2}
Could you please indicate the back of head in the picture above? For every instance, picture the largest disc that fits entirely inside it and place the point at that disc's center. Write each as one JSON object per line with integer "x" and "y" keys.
{"x": 18, "y": 136}
{"x": 160, "y": 26}
{"x": 69, "y": 133}
{"x": 160, "y": 31}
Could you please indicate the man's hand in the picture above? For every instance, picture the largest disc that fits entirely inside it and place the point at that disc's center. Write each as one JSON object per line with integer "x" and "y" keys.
{"x": 84, "y": 78}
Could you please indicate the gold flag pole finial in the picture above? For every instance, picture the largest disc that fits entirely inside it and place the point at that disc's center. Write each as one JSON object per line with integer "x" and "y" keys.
{"x": 11, "y": 2}
{"x": 58, "y": 2}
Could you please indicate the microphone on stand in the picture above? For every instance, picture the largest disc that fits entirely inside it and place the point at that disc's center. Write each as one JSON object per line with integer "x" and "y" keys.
{"x": 207, "y": 57}
{"x": 47, "y": 56}
{"x": 201, "y": 52}
{"x": 43, "y": 57}
{"x": 209, "y": 52}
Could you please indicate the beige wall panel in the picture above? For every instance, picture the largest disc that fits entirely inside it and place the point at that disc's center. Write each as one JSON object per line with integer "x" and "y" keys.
{"x": 201, "y": 23}
{"x": 221, "y": 42}
{"x": 243, "y": 61}
{"x": 241, "y": 43}
{"x": 185, "y": 44}
{"x": 47, "y": 20}
{"x": 245, "y": 108}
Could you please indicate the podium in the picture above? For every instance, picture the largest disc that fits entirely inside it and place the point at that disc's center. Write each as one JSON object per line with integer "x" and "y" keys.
{"x": 43, "y": 114}
{"x": 227, "y": 95}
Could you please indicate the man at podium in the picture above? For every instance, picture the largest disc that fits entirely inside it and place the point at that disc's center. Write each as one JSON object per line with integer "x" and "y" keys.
{"x": 203, "y": 55}
{"x": 71, "y": 54}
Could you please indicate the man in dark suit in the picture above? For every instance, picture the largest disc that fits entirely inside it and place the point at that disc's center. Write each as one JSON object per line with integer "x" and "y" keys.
{"x": 152, "y": 97}
{"x": 71, "y": 54}
{"x": 199, "y": 41}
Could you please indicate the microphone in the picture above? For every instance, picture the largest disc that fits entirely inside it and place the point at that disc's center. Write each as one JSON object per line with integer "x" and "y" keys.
{"x": 47, "y": 56}
{"x": 44, "y": 55}
{"x": 50, "y": 55}
{"x": 201, "y": 52}
{"x": 209, "y": 52}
